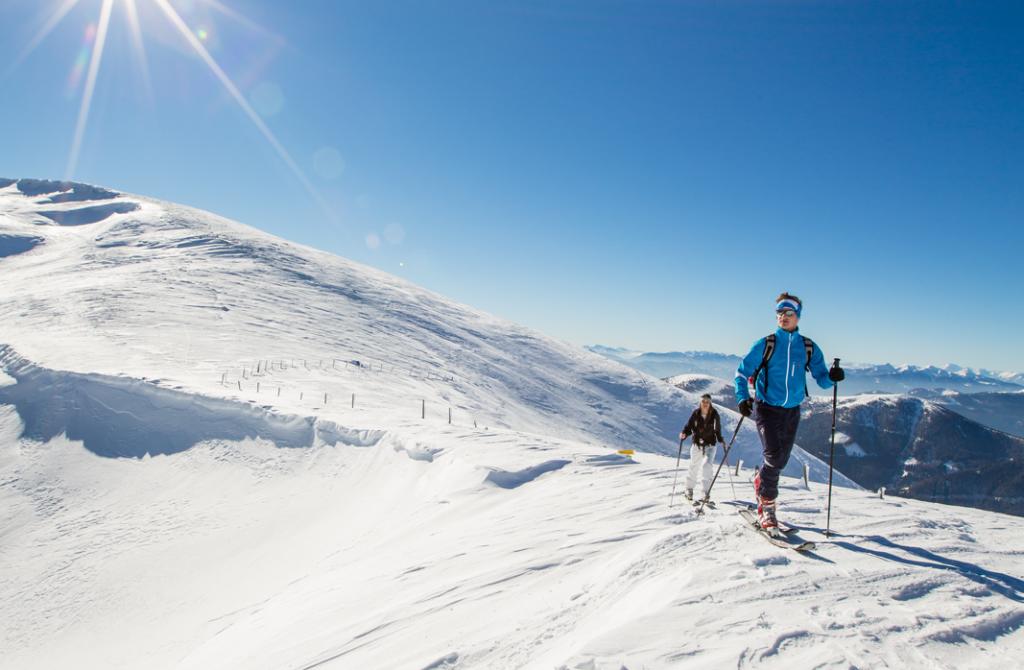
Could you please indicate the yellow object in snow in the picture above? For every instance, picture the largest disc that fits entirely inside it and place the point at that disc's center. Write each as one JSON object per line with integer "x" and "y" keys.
{"x": 626, "y": 452}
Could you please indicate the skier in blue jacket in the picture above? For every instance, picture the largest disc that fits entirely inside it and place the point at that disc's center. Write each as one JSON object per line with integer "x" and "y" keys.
{"x": 776, "y": 365}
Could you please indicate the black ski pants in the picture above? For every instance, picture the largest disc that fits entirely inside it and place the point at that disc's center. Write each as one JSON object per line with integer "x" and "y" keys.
{"x": 777, "y": 428}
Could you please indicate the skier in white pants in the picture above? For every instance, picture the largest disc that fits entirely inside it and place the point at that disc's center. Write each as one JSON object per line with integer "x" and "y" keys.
{"x": 706, "y": 428}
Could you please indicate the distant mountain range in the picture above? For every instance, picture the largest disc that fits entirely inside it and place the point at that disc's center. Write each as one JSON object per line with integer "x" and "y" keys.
{"x": 671, "y": 363}
{"x": 905, "y": 378}
{"x": 884, "y": 378}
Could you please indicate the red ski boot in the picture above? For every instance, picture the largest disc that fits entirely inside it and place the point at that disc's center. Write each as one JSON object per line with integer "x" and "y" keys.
{"x": 766, "y": 515}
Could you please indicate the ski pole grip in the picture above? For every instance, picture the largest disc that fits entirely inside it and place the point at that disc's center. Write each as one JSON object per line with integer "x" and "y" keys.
{"x": 835, "y": 363}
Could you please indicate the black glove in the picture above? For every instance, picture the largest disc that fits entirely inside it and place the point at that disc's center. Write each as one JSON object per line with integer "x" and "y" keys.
{"x": 836, "y": 374}
{"x": 747, "y": 407}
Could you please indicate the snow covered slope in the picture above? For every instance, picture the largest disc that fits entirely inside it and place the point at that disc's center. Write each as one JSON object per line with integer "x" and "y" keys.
{"x": 195, "y": 473}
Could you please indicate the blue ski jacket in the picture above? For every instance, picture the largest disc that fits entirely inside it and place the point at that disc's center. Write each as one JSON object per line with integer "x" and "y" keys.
{"x": 787, "y": 383}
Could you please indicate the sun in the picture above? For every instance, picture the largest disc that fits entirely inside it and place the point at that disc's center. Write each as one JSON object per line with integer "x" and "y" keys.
{"x": 195, "y": 38}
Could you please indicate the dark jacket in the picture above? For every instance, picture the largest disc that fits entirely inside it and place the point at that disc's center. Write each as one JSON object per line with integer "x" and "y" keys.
{"x": 706, "y": 432}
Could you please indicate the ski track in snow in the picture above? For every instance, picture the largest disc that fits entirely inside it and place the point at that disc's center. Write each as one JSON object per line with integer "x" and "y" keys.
{"x": 155, "y": 514}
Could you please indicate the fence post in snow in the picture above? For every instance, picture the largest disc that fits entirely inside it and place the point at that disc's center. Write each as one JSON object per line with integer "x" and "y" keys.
{"x": 449, "y": 416}
{"x": 223, "y": 378}
{"x": 257, "y": 387}
{"x": 423, "y": 412}
{"x": 881, "y": 493}
{"x": 278, "y": 391}
{"x": 807, "y": 476}
{"x": 739, "y": 464}
{"x": 300, "y": 395}
{"x": 353, "y": 401}
{"x": 239, "y": 384}
{"x": 325, "y": 398}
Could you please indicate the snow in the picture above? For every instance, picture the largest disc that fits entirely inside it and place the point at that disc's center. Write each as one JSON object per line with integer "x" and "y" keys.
{"x": 849, "y": 446}
{"x": 855, "y": 450}
{"x": 159, "y": 510}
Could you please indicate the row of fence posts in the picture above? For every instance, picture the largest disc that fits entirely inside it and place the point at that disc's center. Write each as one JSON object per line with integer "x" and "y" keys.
{"x": 423, "y": 402}
{"x": 263, "y": 366}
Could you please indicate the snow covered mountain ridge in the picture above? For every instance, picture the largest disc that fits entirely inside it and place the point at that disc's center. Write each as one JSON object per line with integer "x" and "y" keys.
{"x": 222, "y": 450}
{"x": 130, "y": 286}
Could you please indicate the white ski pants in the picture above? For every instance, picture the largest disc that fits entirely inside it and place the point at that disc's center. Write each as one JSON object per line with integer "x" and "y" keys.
{"x": 702, "y": 460}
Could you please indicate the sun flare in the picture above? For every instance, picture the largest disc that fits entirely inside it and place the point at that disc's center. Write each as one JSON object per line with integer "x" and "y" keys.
{"x": 90, "y": 59}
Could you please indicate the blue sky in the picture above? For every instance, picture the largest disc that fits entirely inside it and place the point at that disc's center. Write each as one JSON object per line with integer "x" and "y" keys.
{"x": 641, "y": 174}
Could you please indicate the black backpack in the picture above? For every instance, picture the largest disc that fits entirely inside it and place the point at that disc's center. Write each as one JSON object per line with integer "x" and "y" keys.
{"x": 769, "y": 349}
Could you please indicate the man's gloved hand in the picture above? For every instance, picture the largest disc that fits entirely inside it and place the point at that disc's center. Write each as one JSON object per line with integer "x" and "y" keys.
{"x": 747, "y": 407}
{"x": 836, "y": 374}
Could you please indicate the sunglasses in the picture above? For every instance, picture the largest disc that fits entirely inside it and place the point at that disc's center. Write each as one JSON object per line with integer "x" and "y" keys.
{"x": 786, "y": 312}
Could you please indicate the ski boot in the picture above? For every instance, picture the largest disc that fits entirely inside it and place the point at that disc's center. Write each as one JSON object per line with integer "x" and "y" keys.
{"x": 767, "y": 517}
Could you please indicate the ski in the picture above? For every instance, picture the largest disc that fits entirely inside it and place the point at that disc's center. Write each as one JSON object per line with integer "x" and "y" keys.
{"x": 783, "y": 526}
{"x": 781, "y": 539}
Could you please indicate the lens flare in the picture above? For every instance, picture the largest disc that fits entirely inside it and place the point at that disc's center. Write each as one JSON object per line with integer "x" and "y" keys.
{"x": 268, "y": 98}
{"x": 81, "y": 60}
{"x": 132, "y": 15}
{"x": 90, "y": 86}
{"x": 230, "y": 87}
{"x": 88, "y": 62}
{"x": 394, "y": 233}
{"x": 328, "y": 163}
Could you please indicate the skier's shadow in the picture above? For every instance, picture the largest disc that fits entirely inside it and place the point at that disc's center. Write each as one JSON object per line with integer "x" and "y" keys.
{"x": 1004, "y": 584}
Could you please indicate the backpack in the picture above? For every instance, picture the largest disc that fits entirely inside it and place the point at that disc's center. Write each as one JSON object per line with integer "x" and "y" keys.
{"x": 769, "y": 349}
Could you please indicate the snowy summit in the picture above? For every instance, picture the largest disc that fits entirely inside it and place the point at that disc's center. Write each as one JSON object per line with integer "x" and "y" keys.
{"x": 219, "y": 449}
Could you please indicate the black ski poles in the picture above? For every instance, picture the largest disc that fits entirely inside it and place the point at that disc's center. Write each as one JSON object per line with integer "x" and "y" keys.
{"x": 725, "y": 457}
{"x": 832, "y": 452}
{"x": 670, "y": 499}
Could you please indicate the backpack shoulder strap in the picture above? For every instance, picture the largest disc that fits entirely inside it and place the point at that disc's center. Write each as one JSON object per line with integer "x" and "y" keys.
{"x": 769, "y": 349}
{"x": 809, "y": 348}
